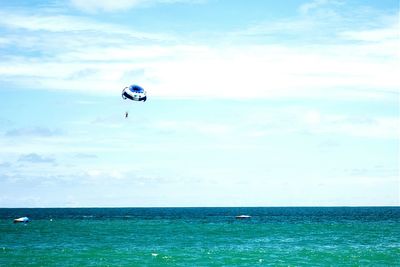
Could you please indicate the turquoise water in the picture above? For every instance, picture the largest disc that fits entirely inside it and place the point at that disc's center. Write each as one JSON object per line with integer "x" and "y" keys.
{"x": 201, "y": 237}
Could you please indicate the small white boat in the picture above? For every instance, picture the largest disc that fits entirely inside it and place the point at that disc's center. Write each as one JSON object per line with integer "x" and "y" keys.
{"x": 21, "y": 220}
{"x": 243, "y": 217}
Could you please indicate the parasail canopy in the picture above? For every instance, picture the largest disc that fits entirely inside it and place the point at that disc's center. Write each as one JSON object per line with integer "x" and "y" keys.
{"x": 134, "y": 92}
{"x": 136, "y": 88}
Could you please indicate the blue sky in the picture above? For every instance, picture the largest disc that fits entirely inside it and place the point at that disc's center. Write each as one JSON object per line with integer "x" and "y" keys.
{"x": 251, "y": 103}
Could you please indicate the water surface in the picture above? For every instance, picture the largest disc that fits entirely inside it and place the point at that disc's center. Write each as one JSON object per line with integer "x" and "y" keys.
{"x": 363, "y": 236}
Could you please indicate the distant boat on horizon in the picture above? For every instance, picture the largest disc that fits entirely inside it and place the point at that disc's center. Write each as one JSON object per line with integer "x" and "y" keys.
{"x": 243, "y": 217}
{"x": 22, "y": 220}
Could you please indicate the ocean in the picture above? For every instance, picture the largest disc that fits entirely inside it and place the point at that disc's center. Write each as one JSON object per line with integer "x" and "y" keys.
{"x": 299, "y": 236}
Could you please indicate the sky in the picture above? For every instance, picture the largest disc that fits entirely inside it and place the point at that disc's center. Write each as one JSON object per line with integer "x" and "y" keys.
{"x": 250, "y": 103}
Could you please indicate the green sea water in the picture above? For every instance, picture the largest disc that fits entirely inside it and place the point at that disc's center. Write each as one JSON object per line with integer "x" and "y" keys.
{"x": 201, "y": 237}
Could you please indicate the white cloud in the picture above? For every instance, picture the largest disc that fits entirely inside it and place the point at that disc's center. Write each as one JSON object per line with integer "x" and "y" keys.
{"x": 312, "y": 117}
{"x": 32, "y": 132}
{"x": 295, "y": 120}
{"x": 35, "y": 158}
{"x": 266, "y": 71}
{"x": 377, "y": 128}
{"x": 50, "y": 23}
{"x": 373, "y": 127}
{"x": 104, "y": 61}
{"x": 105, "y": 5}
{"x": 70, "y": 26}
{"x": 93, "y": 175}
{"x": 373, "y": 35}
{"x": 206, "y": 128}
{"x": 120, "y": 5}
{"x": 315, "y": 4}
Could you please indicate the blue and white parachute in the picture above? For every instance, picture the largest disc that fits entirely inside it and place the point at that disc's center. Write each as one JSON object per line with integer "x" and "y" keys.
{"x": 135, "y": 93}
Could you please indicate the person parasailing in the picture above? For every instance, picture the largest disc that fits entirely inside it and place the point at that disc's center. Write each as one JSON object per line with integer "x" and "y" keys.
{"x": 134, "y": 93}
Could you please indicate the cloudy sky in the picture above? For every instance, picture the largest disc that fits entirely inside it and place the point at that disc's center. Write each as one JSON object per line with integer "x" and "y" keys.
{"x": 250, "y": 103}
